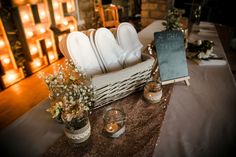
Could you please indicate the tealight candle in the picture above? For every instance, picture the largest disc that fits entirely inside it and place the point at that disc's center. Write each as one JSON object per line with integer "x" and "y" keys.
{"x": 112, "y": 127}
{"x": 152, "y": 92}
{"x": 114, "y": 122}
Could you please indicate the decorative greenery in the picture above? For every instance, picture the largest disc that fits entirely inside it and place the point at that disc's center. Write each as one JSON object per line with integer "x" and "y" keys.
{"x": 173, "y": 19}
{"x": 200, "y": 46}
{"x": 201, "y": 49}
{"x": 70, "y": 92}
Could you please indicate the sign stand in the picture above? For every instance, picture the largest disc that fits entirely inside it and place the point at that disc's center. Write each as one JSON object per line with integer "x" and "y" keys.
{"x": 171, "y": 57}
{"x": 185, "y": 79}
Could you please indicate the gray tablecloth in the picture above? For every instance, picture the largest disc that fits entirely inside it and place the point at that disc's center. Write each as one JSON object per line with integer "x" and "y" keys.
{"x": 200, "y": 120}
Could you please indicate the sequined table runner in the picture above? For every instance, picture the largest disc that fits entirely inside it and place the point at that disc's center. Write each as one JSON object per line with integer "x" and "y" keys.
{"x": 143, "y": 123}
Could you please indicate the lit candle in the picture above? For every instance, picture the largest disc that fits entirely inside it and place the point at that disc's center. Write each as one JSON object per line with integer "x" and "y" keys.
{"x": 153, "y": 92}
{"x": 112, "y": 127}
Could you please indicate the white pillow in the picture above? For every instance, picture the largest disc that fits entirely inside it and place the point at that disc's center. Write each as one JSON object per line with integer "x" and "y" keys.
{"x": 82, "y": 54}
{"x": 127, "y": 38}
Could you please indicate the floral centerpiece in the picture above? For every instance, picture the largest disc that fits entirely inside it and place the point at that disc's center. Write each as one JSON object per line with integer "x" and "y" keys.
{"x": 173, "y": 19}
{"x": 70, "y": 92}
{"x": 201, "y": 49}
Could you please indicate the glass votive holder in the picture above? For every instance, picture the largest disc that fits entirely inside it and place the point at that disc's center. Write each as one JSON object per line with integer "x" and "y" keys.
{"x": 114, "y": 122}
{"x": 152, "y": 92}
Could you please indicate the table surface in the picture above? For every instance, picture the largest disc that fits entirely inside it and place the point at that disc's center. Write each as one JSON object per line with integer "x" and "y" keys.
{"x": 198, "y": 122}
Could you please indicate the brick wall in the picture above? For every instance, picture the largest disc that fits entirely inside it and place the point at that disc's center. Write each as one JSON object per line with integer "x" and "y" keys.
{"x": 86, "y": 8}
{"x": 154, "y": 9}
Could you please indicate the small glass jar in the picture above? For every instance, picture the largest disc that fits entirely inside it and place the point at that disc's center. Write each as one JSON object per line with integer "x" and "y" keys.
{"x": 114, "y": 122}
{"x": 153, "y": 92}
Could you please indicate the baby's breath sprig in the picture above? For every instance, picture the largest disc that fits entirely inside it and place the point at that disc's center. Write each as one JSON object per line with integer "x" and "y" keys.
{"x": 70, "y": 91}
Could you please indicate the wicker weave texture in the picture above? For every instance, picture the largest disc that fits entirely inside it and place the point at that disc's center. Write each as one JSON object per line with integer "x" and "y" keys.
{"x": 119, "y": 84}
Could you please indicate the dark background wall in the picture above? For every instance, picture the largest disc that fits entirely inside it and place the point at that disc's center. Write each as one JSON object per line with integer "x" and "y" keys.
{"x": 218, "y": 11}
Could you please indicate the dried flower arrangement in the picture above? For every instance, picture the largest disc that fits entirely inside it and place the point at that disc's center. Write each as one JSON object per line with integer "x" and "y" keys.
{"x": 70, "y": 92}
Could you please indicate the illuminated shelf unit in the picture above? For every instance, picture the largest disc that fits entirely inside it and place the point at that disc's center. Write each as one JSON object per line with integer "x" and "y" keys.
{"x": 63, "y": 18}
{"x": 10, "y": 73}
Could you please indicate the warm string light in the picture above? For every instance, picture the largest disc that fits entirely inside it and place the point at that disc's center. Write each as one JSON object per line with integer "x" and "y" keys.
{"x": 55, "y": 5}
{"x": 42, "y": 14}
{"x": 42, "y": 30}
{"x": 49, "y": 43}
{"x": 72, "y": 27}
{"x": 33, "y": 50}
{"x": 30, "y": 34}
{"x": 65, "y": 22}
{"x": 6, "y": 60}
{"x": 11, "y": 76}
{"x": 37, "y": 62}
{"x": 51, "y": 56}
{"x": 2, "y": 43}
{"x": 58, "y": 17}
{"x": 26, "y": 17}
{"x": 69, "y": 6}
